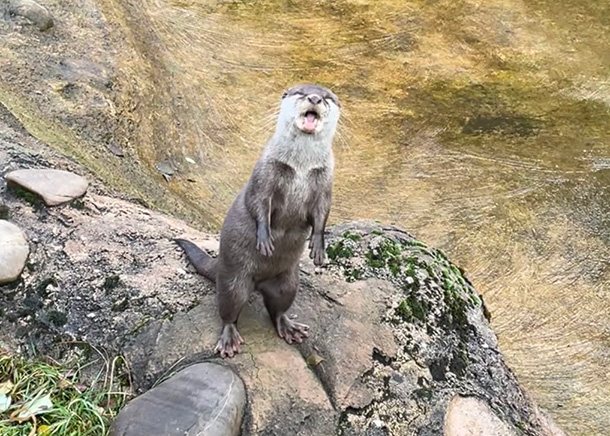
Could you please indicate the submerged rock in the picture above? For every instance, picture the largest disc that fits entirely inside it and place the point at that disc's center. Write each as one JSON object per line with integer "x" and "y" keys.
{"x": 14, "y": 251}
{"x": 203, "y": 399}
{"x": 32, "y": 11}
{"x": 76, "y": 70}
{"x": 54, "y": 186}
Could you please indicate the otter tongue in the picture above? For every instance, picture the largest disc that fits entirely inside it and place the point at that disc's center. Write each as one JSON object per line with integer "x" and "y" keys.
{"x": 310, "y": 121}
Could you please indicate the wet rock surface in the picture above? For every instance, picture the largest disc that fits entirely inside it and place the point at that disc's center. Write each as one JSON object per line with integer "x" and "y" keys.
{"x": 14, "y": 252}
{"x": 397, "y": 331}
{"x": 203, "y": 399}
{"x": 54, "y": 186}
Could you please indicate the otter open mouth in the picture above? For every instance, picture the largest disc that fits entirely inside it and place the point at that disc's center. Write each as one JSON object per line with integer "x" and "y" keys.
{"x": 309, "y": 121}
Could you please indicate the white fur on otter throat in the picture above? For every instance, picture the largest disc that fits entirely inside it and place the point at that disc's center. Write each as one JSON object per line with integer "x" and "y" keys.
{"x": 303, "y": 152}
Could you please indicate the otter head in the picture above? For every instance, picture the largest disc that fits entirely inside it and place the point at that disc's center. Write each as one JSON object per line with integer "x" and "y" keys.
{"x": 309, "y": 110}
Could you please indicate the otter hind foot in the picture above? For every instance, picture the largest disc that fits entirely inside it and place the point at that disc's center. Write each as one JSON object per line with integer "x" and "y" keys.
{"x": 291, "y": 331}
{"x": 230, "y": 341}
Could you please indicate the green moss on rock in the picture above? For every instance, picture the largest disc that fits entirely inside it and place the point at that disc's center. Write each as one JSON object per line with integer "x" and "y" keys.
{"x": 111, "y": 282}
{"x": 27, "y": 196}
{"x": 338, "y": 250}
{"x": 426, "y": 274}
{"x": 412, "y": 309}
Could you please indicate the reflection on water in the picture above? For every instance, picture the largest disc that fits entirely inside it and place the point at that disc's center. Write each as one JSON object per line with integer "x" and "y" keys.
{"x": 482, "y": 127}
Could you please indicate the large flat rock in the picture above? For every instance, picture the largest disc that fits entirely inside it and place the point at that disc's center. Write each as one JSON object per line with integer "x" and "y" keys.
{"x": 14, "y": 252}
{"x": 54, "y": 186}
{"x": 387, "y": 351}
{"x": 203, "y": 399}
{"x": 285, "y": 397}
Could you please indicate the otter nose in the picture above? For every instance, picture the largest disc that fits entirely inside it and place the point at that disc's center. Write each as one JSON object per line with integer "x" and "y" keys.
{"x": 314, "y": 99}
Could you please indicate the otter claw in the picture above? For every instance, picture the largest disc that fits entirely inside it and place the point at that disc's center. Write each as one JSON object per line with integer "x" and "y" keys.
{"x": 291, "y": 331}
{"x": 265, "y": 247}
{"x": 229, "y": 343}
{"x": 264, "y": 242}
{"x": 318, "y": 254}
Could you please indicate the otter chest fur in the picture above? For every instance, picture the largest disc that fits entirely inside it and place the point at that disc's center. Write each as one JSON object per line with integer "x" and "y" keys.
{"x": 297, "y": 189}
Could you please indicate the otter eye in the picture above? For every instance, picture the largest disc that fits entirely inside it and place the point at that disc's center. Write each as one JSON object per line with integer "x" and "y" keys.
{"x": 284, "y": 95}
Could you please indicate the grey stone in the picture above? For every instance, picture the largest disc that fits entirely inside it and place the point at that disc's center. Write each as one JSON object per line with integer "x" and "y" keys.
{"x": 54, "y": 186}
{"x": 165, "y": 168}
{"x": 203, "y": 399}
{"x": 82, "y": 70}
{"x": 469, "y": 416}
{"x": 14, "y": 251}
{"x": 284, "y": 395}
{"x": 386, "y": 352}
{"x": 32, "y": 11}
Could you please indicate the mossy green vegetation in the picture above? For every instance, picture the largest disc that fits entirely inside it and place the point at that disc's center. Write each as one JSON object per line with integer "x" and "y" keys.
{"x": 412, "y": 266}
{"x": 411, "y": 308}
{"x": 27, "y": 196}
{"x": 77, "y": 204}
{"x": 111, "y": 282}
{"x": 338, "y": 250}
{"x": 387, "y": 255}
{"x": 42, "y": 398}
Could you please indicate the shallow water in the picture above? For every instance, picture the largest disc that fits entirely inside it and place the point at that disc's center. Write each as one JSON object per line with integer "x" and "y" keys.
{"x": 483, "y": 128}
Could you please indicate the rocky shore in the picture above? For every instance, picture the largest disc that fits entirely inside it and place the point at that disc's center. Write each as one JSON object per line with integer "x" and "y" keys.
{"x": 400, "y": 340}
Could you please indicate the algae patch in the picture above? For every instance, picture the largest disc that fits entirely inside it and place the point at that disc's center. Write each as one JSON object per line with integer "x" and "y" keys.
{"x": 412, "y": 266}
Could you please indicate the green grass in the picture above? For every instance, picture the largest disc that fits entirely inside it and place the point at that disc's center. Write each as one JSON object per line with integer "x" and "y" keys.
{"x": 78, "y": 408}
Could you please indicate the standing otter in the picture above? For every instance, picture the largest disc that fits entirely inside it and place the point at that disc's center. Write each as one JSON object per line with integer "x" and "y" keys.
{"x": 287, "y": 199}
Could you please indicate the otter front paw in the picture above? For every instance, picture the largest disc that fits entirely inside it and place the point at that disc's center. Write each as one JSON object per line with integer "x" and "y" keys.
{"x": 264, "y": 242}
{"x": 317, "y": 253}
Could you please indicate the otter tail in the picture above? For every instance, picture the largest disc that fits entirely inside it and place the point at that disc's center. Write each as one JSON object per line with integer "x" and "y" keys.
{"x": 203, "y": 262}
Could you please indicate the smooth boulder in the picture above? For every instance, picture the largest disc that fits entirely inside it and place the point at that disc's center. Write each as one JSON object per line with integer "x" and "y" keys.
{"x": 470, "y": 416}
{"x": 54, "y": 186}
{"x": 202, "y": 399}
{"x": 32, "y": 11}
{"x": 14, "y": 251}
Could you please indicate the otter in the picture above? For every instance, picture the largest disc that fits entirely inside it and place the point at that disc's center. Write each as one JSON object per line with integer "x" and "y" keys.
{"x": 286, "y": 200}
